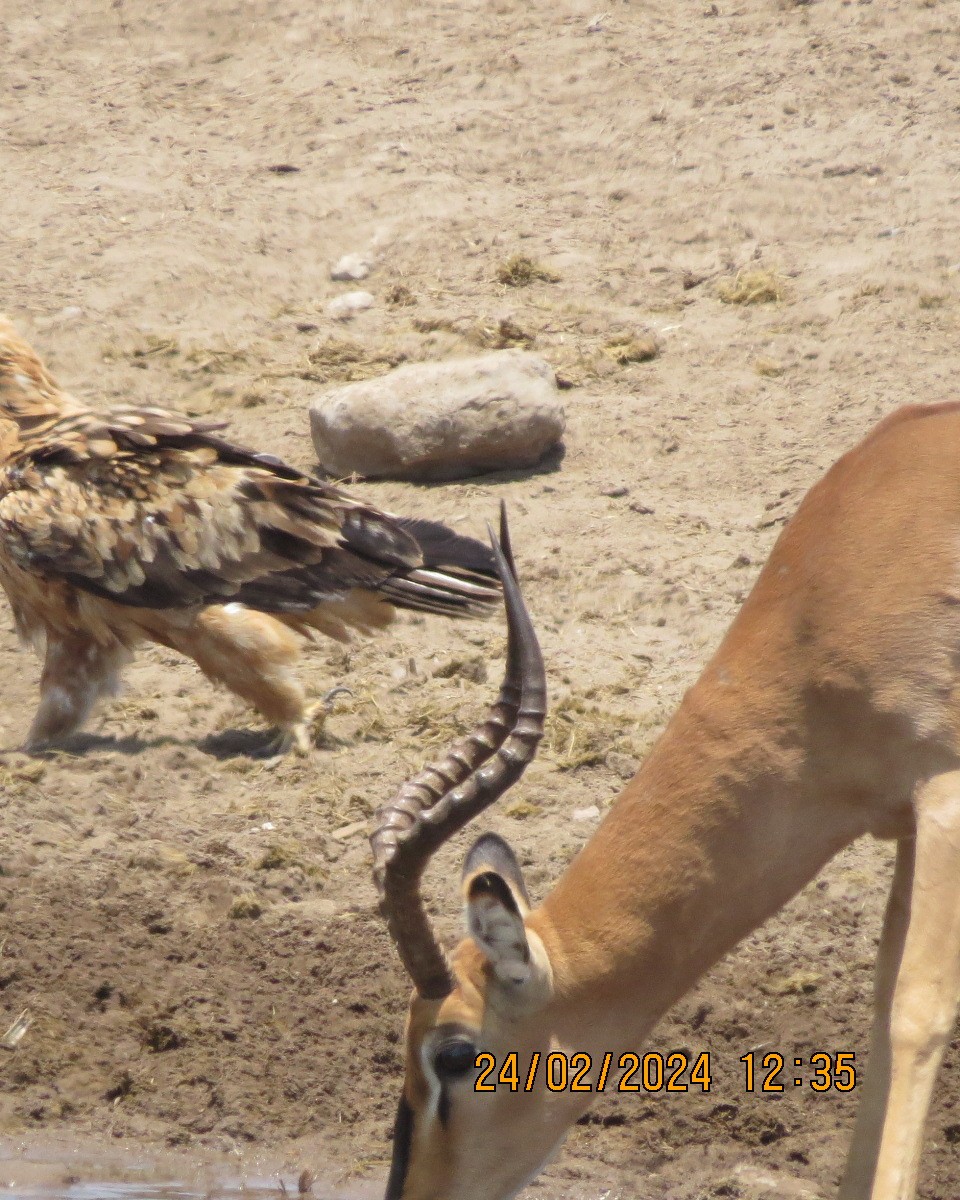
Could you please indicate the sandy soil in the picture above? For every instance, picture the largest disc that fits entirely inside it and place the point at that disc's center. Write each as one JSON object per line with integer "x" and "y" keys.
{"x": 177, "y": 180}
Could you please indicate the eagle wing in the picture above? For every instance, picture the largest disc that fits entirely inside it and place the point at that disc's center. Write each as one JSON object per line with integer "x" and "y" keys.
{"x": 147, "y": 508}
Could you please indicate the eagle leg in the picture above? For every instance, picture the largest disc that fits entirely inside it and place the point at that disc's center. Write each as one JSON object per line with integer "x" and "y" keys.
{"x": 77, "y": 672}
{"x": 254, "y": 656}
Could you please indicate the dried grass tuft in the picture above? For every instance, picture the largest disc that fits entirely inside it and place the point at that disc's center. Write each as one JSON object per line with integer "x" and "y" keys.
{"x": 215, "y": 360}
{"x": 505, "y": 334}
{"x": 438, "y": 721}
{"x": 246, "y": 907}
{"x": 472, "y": 667}
{"x": 930, "y": 300}
{"x": 344, "y": 361}
{"x": 520, "y": 271}
{"x": 160, "y": 857}
{"x": 399, "y": 296}
{"x": 752, "y": 287}
{"x": 581, "y": 734}
{"x": 625, "y": 348}
{"x": 798, "y": 983}
{"x": 521, "y": 809}
{"x": 280, "y": 856}
{"x": 502, "y": 334}
{"x": 433, "y": 322}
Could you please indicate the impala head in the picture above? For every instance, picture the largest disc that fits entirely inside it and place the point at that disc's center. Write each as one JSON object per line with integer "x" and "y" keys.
{"x": 491, "y": 996}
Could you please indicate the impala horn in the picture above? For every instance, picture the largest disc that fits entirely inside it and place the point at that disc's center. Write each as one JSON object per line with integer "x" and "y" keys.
{"x": 430, "y": 808}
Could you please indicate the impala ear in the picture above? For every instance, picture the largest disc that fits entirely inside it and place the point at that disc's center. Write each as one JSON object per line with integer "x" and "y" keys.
{"x": 497, "y": 902}
{"x": 491, "y": 854}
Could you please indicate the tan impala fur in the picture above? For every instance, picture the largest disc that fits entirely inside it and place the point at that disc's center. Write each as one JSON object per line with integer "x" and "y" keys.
{"x": 830, "y": 710}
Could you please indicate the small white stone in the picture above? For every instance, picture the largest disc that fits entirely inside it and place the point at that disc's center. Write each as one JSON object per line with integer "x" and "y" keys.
{"x": 345, "y": 307}
{"x": 351, "y": 268}
{"x": 590, "y": 813}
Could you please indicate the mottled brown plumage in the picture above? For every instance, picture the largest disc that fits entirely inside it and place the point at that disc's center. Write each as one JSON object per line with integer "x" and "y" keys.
{"x": 132, "y": 524}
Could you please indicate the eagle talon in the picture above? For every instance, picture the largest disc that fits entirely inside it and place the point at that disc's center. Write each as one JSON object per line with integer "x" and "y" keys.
{"x": 303, "y": 736}
{"x": 329, "y": 698}
{"x": 297, "y": 738}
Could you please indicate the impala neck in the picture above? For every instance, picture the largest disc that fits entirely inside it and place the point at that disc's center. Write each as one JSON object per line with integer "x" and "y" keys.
{"x": 716, "y": 832}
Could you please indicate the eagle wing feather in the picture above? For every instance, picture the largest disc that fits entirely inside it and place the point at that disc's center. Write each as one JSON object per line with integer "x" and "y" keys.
{"x": 150, "y": 509}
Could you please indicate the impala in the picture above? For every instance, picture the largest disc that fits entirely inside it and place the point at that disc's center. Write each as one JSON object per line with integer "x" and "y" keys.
{"x": 831, "y": 710}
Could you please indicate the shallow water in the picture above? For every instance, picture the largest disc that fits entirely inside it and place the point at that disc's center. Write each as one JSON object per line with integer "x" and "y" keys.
{"x": 78, "y": 1171}
{"x": 146, "y": 1190}
{"x": 103, "y": 1190}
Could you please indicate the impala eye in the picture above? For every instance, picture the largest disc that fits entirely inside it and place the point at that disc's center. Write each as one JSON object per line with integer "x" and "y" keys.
{"x": 453, "y": 1059}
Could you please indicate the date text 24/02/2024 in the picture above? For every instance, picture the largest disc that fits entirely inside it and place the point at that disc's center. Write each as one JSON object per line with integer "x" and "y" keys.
{"x": 655, "y": 1072}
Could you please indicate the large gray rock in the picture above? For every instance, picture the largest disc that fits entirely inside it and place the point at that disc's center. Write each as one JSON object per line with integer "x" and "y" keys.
{"x": 441, "y": 420}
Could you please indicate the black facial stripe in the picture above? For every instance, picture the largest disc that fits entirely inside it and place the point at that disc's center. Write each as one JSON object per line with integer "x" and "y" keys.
{"x": 443, "y": 1105}
{"x": 402, "y": 1139}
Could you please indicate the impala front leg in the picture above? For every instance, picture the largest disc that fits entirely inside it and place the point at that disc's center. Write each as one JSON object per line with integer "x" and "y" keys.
{"x": 918, "y": 987}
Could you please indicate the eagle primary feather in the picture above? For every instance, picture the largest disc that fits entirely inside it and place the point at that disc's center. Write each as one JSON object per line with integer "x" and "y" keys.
{"x": 134, "y": 524}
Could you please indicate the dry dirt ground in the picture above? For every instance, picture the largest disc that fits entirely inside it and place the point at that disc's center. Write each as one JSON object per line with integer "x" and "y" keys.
{"x": 767, "y": 188}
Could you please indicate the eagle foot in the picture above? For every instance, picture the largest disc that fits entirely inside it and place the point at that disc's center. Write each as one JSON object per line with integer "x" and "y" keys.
{"x": 302, "y": 737}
